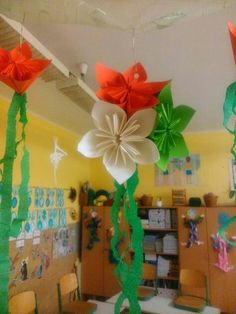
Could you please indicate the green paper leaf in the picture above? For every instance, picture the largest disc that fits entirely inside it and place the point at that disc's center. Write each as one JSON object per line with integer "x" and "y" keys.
{"x": 180, "y": 149}
{"x": 229, "y": 105}
{"x": 182, "y": 115}
{"x": 162, "y": 163}
{"x": 165, "y": 95}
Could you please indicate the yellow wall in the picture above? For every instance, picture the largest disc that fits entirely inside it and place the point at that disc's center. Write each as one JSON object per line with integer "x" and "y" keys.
{"x": 72, "y": 170}
{"x": 213, "y": 148}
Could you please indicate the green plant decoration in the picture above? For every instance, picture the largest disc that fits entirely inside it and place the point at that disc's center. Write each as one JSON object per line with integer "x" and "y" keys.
{"x": 167, "y": 133}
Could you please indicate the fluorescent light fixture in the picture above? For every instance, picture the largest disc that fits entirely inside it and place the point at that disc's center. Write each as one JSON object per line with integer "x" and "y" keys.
{"x": 168, "y": 20}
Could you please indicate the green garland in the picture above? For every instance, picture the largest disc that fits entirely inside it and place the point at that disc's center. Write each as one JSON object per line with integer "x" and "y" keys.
{"x": 17, "y": 107}
{"x": 129, "y": 276}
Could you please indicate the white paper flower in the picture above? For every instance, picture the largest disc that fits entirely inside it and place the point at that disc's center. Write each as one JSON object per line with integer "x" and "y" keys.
{"x": 122, "y": 142}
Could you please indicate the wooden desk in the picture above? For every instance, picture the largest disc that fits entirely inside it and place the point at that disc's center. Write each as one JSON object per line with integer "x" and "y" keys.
{"x": 161, "y": 305}
{"x": 103, "y": 307}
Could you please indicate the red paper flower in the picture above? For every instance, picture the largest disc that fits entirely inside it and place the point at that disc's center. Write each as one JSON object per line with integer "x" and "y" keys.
{"x": 128, "y": 90}
{"x": 232, "y": 32}
{"x": 17, "y": 68}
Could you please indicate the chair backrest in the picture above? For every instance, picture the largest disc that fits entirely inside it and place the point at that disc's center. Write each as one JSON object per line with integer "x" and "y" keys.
{"x": 23, "y": 303}
{"x": 192, "y": 278}
{"x": 68, "y": 283}
{"x": 149, "y": 272}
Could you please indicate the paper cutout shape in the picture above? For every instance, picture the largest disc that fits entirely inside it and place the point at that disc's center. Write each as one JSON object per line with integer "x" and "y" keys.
{"x": 232, "y": 32}
{"x": 56, "y": 157}
{"x": 62, "y": 217}
{"x": 17, "y": 68}
{"x": 191, "y": 220}
{"x": 222, "y": 249}
{"x": 121, "y": 141}
{"x": 167, "y": 134}
{"x": 128, "y": 90}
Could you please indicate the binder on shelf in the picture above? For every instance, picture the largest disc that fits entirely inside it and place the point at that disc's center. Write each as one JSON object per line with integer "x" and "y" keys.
{"x": 156, "y": 218}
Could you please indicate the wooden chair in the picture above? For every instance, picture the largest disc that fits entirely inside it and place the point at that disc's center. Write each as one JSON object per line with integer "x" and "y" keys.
{"x": 149, "y": 272}
{"x": 192, "y": 279}
{"x": 68, "y": 286}
{"x": 23, "y": 303}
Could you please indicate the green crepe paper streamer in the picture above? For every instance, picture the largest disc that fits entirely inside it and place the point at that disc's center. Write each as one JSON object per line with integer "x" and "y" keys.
{"x": 223, "y": 229}
{"x": 167, "y": 133}
{"x": 129, "y": 276}
{"x": 229, "y": 111}
{"x": 18, "y": 105}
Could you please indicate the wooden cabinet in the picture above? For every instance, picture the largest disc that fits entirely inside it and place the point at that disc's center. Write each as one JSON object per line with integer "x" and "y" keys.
{"x": 222, "y": 285}
{"x": 97, "y": 276}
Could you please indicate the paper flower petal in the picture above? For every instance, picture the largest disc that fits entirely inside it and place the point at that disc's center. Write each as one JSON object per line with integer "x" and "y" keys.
{"x": 88, "y": 144}
{"x": 107, "y": 77}
{"x": 148, "y": 153}
{"x": 4, "y": 58}
{"x": 182, "y": 115}
{"x": 145, "y": 119}
{"x": 172, "y": 121}
{"x": 128, "y": 90}
{"x": 165, "y": 96}
{"x": 102, "y": 110}
{"x": 232, "y": 32}
{"x": 120, "y": 167}
{"x": 18, "y": 70}
{"x": 180, "y": 149}
{"x": 135, "y": 73}
{"x": 163, "y": 161}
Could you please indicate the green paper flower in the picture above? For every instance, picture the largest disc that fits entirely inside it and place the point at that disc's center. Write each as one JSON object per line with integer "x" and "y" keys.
{"x": 167, "y": 133}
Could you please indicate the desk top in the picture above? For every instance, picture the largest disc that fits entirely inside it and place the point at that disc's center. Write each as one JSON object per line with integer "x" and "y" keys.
{"x": 161, "y": 305}
{"x": 104, "y": 308}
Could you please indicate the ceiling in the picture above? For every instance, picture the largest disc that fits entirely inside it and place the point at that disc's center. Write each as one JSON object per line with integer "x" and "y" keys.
{"x": 186, "y": 41}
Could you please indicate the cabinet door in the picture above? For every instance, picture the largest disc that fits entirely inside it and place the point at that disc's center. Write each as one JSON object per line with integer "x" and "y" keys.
{"x": 222, "y": 284}
{"x": 195, "y": 257}
{"x": 92, "y": 270}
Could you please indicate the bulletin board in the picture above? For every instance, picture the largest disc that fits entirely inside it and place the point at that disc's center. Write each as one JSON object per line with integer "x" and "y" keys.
{"x": 38, "y": 264}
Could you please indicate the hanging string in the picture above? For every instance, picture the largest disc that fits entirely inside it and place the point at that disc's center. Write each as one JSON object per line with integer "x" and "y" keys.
{"x": 136, "y": 75}
{"x": 21, "y": 30}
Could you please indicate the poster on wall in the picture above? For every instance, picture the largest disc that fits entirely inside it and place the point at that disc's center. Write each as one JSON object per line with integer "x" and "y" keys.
{"x": 180, "y": 171}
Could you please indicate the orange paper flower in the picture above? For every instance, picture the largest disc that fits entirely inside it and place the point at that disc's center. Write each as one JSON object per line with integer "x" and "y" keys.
{"x": 17, "y": 68}
{"x": 232, "y": 32}
{"x": 128, "y": 90}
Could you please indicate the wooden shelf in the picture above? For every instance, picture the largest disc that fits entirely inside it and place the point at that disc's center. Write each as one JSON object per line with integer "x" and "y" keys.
{"x": 155, "y": 253}
{"x": 153, "y": 207}
{"x": 168, "y": 278}
{"x": 160, "y": 229}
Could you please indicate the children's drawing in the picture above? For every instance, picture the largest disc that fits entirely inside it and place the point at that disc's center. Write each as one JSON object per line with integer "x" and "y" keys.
{"x": 24, "y": 269}
{"x": 180, "y": 171}
{"x": 42, "y": 219}
{"x": 53, "y": 218}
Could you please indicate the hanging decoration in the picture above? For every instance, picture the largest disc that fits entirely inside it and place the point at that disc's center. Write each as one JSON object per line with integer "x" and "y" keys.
{"x": 56, "y": 157}
{"x": 17, "y": 70}
{"x": 167, "y": 133}
{"x": 230, "y": 125}
{"x": 222, "y": 245}
{"x": 232, "y": 33}
{"x": 191, "y": 220}
{"x": 123, "y": 124}
{"x": 222, "y": 249}
{"x": 129, "y": 90}
{"x": 92, "y": 223}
